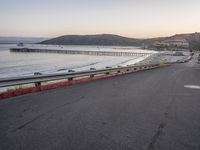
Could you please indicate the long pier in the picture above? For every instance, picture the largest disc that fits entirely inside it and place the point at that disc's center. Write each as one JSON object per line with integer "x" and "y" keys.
{"x": 78, "y": 52}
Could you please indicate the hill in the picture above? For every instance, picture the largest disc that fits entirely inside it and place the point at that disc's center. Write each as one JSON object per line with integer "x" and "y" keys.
{"x": 99, "y": 39}
{"x": 193, "y": 39}
{"x": 177, "y": 41}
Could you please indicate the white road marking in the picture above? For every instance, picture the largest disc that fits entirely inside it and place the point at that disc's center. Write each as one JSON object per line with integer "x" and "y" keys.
{"x": 192, "y": 86}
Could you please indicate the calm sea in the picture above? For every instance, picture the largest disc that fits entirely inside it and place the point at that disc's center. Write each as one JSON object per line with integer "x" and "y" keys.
{"x": 13, "y": 64}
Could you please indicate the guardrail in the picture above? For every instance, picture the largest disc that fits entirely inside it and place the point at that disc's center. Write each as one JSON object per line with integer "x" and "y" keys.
{"x": 39, "y": 79}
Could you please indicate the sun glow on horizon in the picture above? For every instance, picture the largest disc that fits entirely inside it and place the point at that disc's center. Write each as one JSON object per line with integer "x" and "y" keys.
{"x": 130, "y": 18}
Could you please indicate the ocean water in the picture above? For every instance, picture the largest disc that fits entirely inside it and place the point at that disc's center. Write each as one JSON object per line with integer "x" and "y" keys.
{"x": 13, "y": 64}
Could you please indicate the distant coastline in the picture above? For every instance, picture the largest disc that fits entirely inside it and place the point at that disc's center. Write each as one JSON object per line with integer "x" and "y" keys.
{"x": 176, "y": 42}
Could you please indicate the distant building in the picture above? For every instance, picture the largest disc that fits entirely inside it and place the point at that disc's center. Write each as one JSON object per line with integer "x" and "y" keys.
{"x": 175, "y": 44}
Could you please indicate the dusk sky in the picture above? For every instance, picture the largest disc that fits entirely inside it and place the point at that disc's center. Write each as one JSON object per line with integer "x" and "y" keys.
{"x": 132, "y": 18}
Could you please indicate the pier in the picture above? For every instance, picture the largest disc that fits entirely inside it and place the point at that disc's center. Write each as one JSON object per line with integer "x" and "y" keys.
{"x": 78, "y": 52}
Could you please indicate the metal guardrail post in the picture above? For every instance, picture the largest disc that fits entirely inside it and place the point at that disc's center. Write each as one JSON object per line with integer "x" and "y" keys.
{"x": 70, "y": 79}
{"x": 37, "y": 83}
{"x": 92, "y": 75}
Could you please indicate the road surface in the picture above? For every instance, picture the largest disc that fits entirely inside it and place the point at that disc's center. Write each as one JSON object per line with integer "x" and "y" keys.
{"x": 149, "y": 110}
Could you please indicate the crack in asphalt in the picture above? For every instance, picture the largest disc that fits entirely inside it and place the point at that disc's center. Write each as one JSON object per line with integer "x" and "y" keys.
{"x": 156, "y": 136}
{"x": 49, "y": 111}
{"x": 162, "y": 125}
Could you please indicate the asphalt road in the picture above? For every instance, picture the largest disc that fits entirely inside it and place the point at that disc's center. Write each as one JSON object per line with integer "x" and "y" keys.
{"x": 149, "y": 110}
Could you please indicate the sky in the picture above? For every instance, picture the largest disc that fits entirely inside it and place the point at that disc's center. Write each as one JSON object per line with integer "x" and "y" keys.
{"x": 131, "y": 18}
